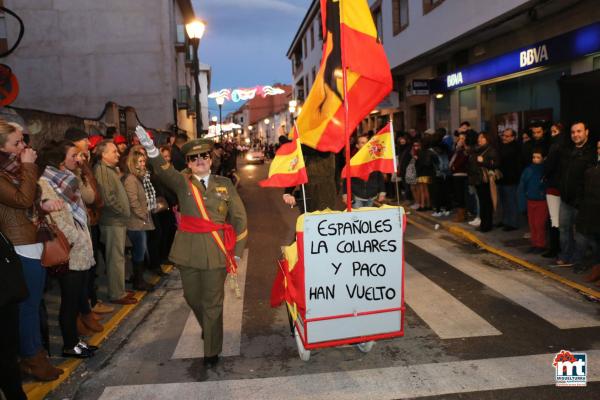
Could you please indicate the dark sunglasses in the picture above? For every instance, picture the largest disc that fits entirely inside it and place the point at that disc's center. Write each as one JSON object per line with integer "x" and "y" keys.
{"x": 194, "y": 158}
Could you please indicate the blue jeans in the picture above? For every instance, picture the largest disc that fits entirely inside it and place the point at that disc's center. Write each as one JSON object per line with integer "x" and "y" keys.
{"x": 507, "y": 194}
{"x": 30, "y": 339}
{"x": 358, "y": 203}
{"x": 472, "y": 200}
{"x": 138, "y": 241}
{"x": 572, "y": 243}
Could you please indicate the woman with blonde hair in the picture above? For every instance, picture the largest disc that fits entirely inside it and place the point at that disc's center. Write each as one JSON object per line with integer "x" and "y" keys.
{"x": 20, "y": 206}
{"x": 140, "y": 219}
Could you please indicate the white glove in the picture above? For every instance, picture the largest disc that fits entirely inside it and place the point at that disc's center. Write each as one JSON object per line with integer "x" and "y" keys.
{"x": 146, "y": 142}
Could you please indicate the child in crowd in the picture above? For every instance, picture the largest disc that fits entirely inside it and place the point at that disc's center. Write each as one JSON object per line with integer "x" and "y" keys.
{"x": 532, "y": 197}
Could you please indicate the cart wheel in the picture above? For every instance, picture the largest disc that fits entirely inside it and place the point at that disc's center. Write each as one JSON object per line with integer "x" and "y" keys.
{"x": 302, "y": 352}
{"x": 366, "y": 347}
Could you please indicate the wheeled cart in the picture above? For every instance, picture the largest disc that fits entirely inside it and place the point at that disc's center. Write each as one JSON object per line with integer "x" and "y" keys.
{"x": 343, "y": 278}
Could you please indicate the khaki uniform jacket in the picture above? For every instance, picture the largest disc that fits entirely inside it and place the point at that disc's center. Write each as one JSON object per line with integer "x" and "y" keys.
{"x": 223, "y": 204}
{"x": 116, "y": 204}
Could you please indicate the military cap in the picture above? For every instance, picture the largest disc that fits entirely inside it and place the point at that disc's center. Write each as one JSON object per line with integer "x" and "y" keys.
{"x": 197, "y": 146}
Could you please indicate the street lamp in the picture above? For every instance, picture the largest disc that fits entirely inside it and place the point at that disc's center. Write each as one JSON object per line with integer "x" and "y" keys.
{"x": 220, "y": 101}
{"x": 195, "y": 31}
{"x": 267, "y": 120}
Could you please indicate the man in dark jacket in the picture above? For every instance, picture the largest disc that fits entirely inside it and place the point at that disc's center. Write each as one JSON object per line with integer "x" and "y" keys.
{"x": 177, "y": 157}
{"x": 538, "y": 142}
{"x": 574, "y": 161}
{"x": 510, "y": 167}
{"x": 588, "y": 218}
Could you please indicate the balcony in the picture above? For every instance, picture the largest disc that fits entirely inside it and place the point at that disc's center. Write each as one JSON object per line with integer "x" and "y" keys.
{"x": 189, "y": 56}
{"x": 184, "y": 98}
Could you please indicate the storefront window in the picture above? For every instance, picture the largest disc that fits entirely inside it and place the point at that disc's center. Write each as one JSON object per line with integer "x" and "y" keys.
{"x": 467, "y": 99}
{"x": 515, "y": 103}
{"x": 442, "y": 112}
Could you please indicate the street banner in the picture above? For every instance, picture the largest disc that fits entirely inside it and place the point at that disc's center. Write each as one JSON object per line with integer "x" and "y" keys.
{"x": 287, "y": 168}
{"x": 350, "y": 41}
{"x": 376, "y": 155}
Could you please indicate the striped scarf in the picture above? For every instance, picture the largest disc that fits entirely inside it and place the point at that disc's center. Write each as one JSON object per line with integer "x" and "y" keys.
{"x": 149, "y": 191}
{"x": 66, "y": 185}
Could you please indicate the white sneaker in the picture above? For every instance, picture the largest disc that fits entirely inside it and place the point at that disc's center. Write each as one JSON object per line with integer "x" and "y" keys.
{"x": 446, "y": 213}
{"x": 437, "y": 214}
{"x": 414, "y": 206}
{"x": 476, "y": 222}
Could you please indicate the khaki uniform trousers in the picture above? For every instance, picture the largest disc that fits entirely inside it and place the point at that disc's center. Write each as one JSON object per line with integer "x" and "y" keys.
{"x": 113, "y": 238}
{"x": 203, "y": 290}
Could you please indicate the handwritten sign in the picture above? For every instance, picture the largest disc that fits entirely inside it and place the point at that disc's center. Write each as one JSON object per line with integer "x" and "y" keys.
{"x": 353, "y": 264}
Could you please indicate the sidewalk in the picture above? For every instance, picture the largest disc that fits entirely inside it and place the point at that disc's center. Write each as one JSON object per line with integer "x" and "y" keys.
{"x": 39, "y": 390}
{"x": 512, "y": 246}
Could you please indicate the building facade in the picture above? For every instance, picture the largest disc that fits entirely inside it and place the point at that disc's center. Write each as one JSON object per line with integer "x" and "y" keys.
{"x": 492, "y": 63}
{"x": 77, "y": 56}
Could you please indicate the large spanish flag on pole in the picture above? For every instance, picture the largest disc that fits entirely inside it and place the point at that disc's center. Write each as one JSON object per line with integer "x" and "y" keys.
{"x": 287, "y": 168}
{"x": 377, "y": 155}
{"x": 350, "y": 34}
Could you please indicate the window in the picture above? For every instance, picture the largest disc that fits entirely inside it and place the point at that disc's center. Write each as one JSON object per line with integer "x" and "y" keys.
{"x": 429, "y": 5}
{"x": 378, "y": 22}
{"x": 312, "y": 37}
{"x": 314, "y": 74}
{"x": 399, "y": 15}
{"x": 304, "y": 47}
{"x": 596, "y": 63}
{"x": 320, "y": 27}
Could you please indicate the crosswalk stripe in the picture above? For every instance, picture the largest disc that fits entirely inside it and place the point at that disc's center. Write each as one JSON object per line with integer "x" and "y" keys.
{"x": 381, "y": 383}
{"x": 445, "y": 315}
{"x": 564, "y": 314}
{"x": 190, "y": 343}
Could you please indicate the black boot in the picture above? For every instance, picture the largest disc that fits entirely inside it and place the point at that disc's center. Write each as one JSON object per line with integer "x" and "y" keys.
{"x": 138, "y": 278}
{"x": 554, "y": 244}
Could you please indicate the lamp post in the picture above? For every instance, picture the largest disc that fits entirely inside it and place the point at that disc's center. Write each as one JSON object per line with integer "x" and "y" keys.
{"x": 220, "y": 101}
{"x": 267, "y": 121}
{"x": 195, "y": 31}
{"x": 292, "y": 105}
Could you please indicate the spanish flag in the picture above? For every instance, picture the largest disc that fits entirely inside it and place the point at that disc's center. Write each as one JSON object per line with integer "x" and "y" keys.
{"x": 350, "y": 37}
{"x": 287, "y": 168}
{"x": 377, "y": 155}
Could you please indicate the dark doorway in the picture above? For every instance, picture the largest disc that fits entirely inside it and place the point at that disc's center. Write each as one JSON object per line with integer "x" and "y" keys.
{"x": 580, "y": 100}
{"x": 419, "y": 117}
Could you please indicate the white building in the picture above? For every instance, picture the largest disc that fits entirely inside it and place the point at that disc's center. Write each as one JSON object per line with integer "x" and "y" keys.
{"x": 78, "y": 55}
{"x": 488, "y": 62}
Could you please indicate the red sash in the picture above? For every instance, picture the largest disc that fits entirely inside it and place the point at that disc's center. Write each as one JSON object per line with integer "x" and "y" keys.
{"x": 192, "y": 224}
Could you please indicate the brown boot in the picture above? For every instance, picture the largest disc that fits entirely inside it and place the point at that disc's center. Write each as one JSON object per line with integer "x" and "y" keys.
{"x": 460, "y": 215}
{"x": 39, "y": 367}
{"x": 90, "y": 323}
{"x": 44, "y": 355}
{"x": 594, "y": 274}
{"x": 83, "y": 330}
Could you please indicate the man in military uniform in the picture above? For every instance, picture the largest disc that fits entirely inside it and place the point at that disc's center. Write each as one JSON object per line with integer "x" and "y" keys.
{"x": 211, "y": 235}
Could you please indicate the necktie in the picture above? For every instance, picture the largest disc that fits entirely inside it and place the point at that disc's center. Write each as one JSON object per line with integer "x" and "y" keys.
{"x": 203, "y": 184}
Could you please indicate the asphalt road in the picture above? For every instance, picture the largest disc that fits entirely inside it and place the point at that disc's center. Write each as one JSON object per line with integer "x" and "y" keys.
{"x": 476, "y": 327}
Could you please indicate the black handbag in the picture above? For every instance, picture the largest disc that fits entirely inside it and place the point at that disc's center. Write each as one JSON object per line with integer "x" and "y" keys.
{"x": 13, "y": 288}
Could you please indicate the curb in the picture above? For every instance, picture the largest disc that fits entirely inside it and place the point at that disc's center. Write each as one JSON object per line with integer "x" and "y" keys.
{"x": 466, "y": 235}
{"x": 39, "y": 390}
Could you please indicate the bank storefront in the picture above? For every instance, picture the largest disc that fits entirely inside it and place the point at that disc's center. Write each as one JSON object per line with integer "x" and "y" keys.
{"x": 528, "y": 84}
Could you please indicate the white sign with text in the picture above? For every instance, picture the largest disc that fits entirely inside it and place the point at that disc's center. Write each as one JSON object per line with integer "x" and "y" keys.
{"x": 353, "y": 264}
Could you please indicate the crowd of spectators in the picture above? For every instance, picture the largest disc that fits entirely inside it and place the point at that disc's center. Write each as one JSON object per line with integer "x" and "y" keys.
{"x": 550, "y": 173}
{"x": 102, "y": 195}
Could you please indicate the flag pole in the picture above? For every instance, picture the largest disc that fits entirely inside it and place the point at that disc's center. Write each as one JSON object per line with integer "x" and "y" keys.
{"x": 346, "y": 116}
{"x": 395, "y": 160}
{"x": 300, "y": 144}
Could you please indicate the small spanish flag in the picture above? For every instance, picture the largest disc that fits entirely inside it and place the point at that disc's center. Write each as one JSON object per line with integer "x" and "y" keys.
{"x": 377, "y": 155}
{"x": 287, "y": 168}
{"x": 350, "y": 36}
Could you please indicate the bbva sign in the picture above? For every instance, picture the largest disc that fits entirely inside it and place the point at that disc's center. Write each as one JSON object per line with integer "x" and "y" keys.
{"x": 533, "y": 56}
